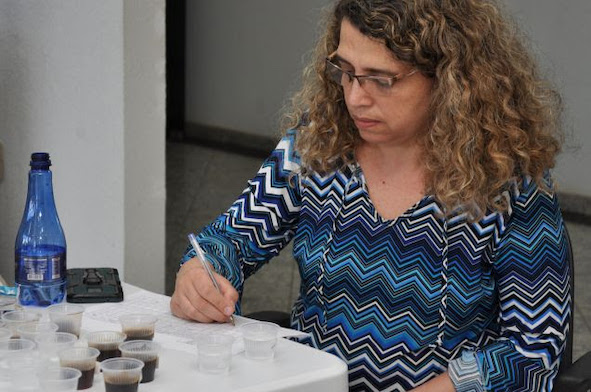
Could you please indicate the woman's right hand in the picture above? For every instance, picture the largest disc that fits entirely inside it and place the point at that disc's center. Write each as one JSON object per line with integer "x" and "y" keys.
{"x": 196, "y": 298}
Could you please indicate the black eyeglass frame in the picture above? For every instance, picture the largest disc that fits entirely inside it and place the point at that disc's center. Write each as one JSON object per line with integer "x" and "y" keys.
{"x": 386, "y": 82}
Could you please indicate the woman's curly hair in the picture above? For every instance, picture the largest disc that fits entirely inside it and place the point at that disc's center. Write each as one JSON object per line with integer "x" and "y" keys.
{"x": 493, "y": 119}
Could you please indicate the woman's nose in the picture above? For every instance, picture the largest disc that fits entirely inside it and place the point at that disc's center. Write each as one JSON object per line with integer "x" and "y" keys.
{"x": 356, "y": 95}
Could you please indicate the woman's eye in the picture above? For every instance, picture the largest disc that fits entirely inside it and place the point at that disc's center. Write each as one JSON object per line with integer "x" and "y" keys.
{"x": 382, "y": 82}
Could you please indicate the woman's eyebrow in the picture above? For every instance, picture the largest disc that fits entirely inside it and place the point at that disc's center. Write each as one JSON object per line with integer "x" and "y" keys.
{"x": 366, "y": 71}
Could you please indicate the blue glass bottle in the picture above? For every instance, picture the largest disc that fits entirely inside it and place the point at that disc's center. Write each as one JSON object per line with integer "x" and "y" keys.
{"x": 40, "y": 248}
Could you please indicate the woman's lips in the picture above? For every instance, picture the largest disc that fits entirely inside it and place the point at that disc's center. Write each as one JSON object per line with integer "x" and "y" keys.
{"x": 363, "y": 122}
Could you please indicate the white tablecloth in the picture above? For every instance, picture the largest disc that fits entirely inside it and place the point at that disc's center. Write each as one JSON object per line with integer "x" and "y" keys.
{"x": 296, "y": 367}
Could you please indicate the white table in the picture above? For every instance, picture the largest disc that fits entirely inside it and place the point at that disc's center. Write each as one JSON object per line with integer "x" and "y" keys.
{"x": 296, "y": 367}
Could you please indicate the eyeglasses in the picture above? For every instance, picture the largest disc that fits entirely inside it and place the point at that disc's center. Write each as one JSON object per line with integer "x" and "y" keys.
{"x": 372, "y": 84}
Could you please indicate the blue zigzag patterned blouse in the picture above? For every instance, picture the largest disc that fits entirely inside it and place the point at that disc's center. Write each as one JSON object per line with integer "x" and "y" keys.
{"x": 401, "y": 301}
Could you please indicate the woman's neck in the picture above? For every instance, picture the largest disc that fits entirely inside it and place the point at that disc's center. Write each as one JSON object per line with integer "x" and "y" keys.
{"x": 391, "y": 158}
{"x": 395, "y": 177}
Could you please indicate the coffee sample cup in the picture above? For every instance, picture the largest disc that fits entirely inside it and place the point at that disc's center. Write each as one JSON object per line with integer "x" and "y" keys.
{"x": 15, "y": 318}
{"x": 146, "y": 351}
{"x": 6, "y": 304}
{"x": 138, "y": 326}
{"x": 5, "y": 333}
{"x": 13, "y": 347}
{"x": 83, "y": 359}
{"x": 59, "y": 379}
{"x": 50, "y": 343}
{"x": 31, "y": 331}
{"x": 122, "y": 374}
{"x": 107, "y": 342}
{"x": 22, "y": 370}
{"x": 68, "y": 317}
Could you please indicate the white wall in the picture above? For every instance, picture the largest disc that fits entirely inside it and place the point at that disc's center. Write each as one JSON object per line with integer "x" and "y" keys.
{"x": 63, "y": 86}
{"x": 244, "y": 57}
{"x": 145, "y": 107}
{"x": 561, "y": 35}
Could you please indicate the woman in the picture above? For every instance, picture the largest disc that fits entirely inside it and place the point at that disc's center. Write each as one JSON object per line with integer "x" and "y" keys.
{"x": 430, "y": 243}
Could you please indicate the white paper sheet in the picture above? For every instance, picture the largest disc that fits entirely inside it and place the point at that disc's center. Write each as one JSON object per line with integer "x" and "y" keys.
{"x": 176, "y": 333}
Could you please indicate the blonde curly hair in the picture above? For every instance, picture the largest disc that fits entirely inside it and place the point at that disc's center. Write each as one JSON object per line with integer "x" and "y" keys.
{"x": 496, "y": 116}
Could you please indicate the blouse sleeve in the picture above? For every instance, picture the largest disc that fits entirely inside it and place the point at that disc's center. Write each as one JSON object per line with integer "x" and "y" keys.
{"x": 260, "y": 222}
{"x": 533, "y": 281}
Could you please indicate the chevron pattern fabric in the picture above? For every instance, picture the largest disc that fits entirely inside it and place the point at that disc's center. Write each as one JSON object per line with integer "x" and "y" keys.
{"x": 401, "y": 301}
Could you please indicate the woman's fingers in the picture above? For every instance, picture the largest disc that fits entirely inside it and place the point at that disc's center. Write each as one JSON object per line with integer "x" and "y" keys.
{"x": 182, "y": 307}
{"x": 218, "y": 306}
{"x": 196, "y": 297}
{"x": 228, "y": 291}
{"x": 180, "y": 303}
{"x": 207, "y": 299}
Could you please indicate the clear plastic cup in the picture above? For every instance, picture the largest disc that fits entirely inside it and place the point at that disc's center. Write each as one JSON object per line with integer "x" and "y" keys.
{"x": 5, "y": 334}
{"x": 214, "y": 353}
{"x": 59, "y": 379}
{"x": 138, "y": 326}
{"x": 30, "y": 331}
{"x": 260, "y": 339}
{"x": 23, "y": 371}
{"x": 15, "y": 318}
{"x": 122, "y": 374}
{"x": 68, "y": 317}
{"x": 107, "y": 342}
{"x": 51, "y": 343}
{"x": 10, "y": 350}
{"x": 83, "y": 359}
{"x": 12, "y": 347}
{"x": 144, "y": 350}
{"x": 7, "y": 303}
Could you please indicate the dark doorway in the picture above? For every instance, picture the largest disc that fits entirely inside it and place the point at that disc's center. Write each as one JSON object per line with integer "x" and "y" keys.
{"x": 175, "y": 69}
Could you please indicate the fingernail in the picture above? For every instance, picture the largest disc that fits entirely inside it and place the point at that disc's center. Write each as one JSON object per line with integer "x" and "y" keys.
{"x": 228, "y": 311}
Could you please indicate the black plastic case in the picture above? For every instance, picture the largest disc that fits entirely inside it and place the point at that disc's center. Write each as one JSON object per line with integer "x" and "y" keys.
{"x": 93, "y": 285}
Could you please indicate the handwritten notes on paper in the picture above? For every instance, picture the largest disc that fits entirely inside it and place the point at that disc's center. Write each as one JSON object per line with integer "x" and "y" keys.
{"x": 173, "y": 331}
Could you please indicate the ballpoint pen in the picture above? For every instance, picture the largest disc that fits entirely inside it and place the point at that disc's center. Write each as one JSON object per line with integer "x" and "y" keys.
{"x": 206, "y": 266}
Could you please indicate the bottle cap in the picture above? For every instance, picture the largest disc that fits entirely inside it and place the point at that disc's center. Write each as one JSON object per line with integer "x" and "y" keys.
{"x": 40, "y": 161}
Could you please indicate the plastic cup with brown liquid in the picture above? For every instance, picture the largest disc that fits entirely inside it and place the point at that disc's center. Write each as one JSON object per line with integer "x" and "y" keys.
{"x": 144, "y": 350}
{"x": 122, "y": 374}
{"x": 68, "y": 317}
{"x": 83, "y": 359}
{"x": 107, "y": 342}
{"x": 138, "y": 326}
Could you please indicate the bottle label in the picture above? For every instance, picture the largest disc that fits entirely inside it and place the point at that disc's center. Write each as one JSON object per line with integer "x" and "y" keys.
{"x": 44, "y": 268}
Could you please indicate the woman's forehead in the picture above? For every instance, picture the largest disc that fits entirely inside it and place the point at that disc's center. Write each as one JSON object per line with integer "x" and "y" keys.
{"x": 363, "y": 51}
